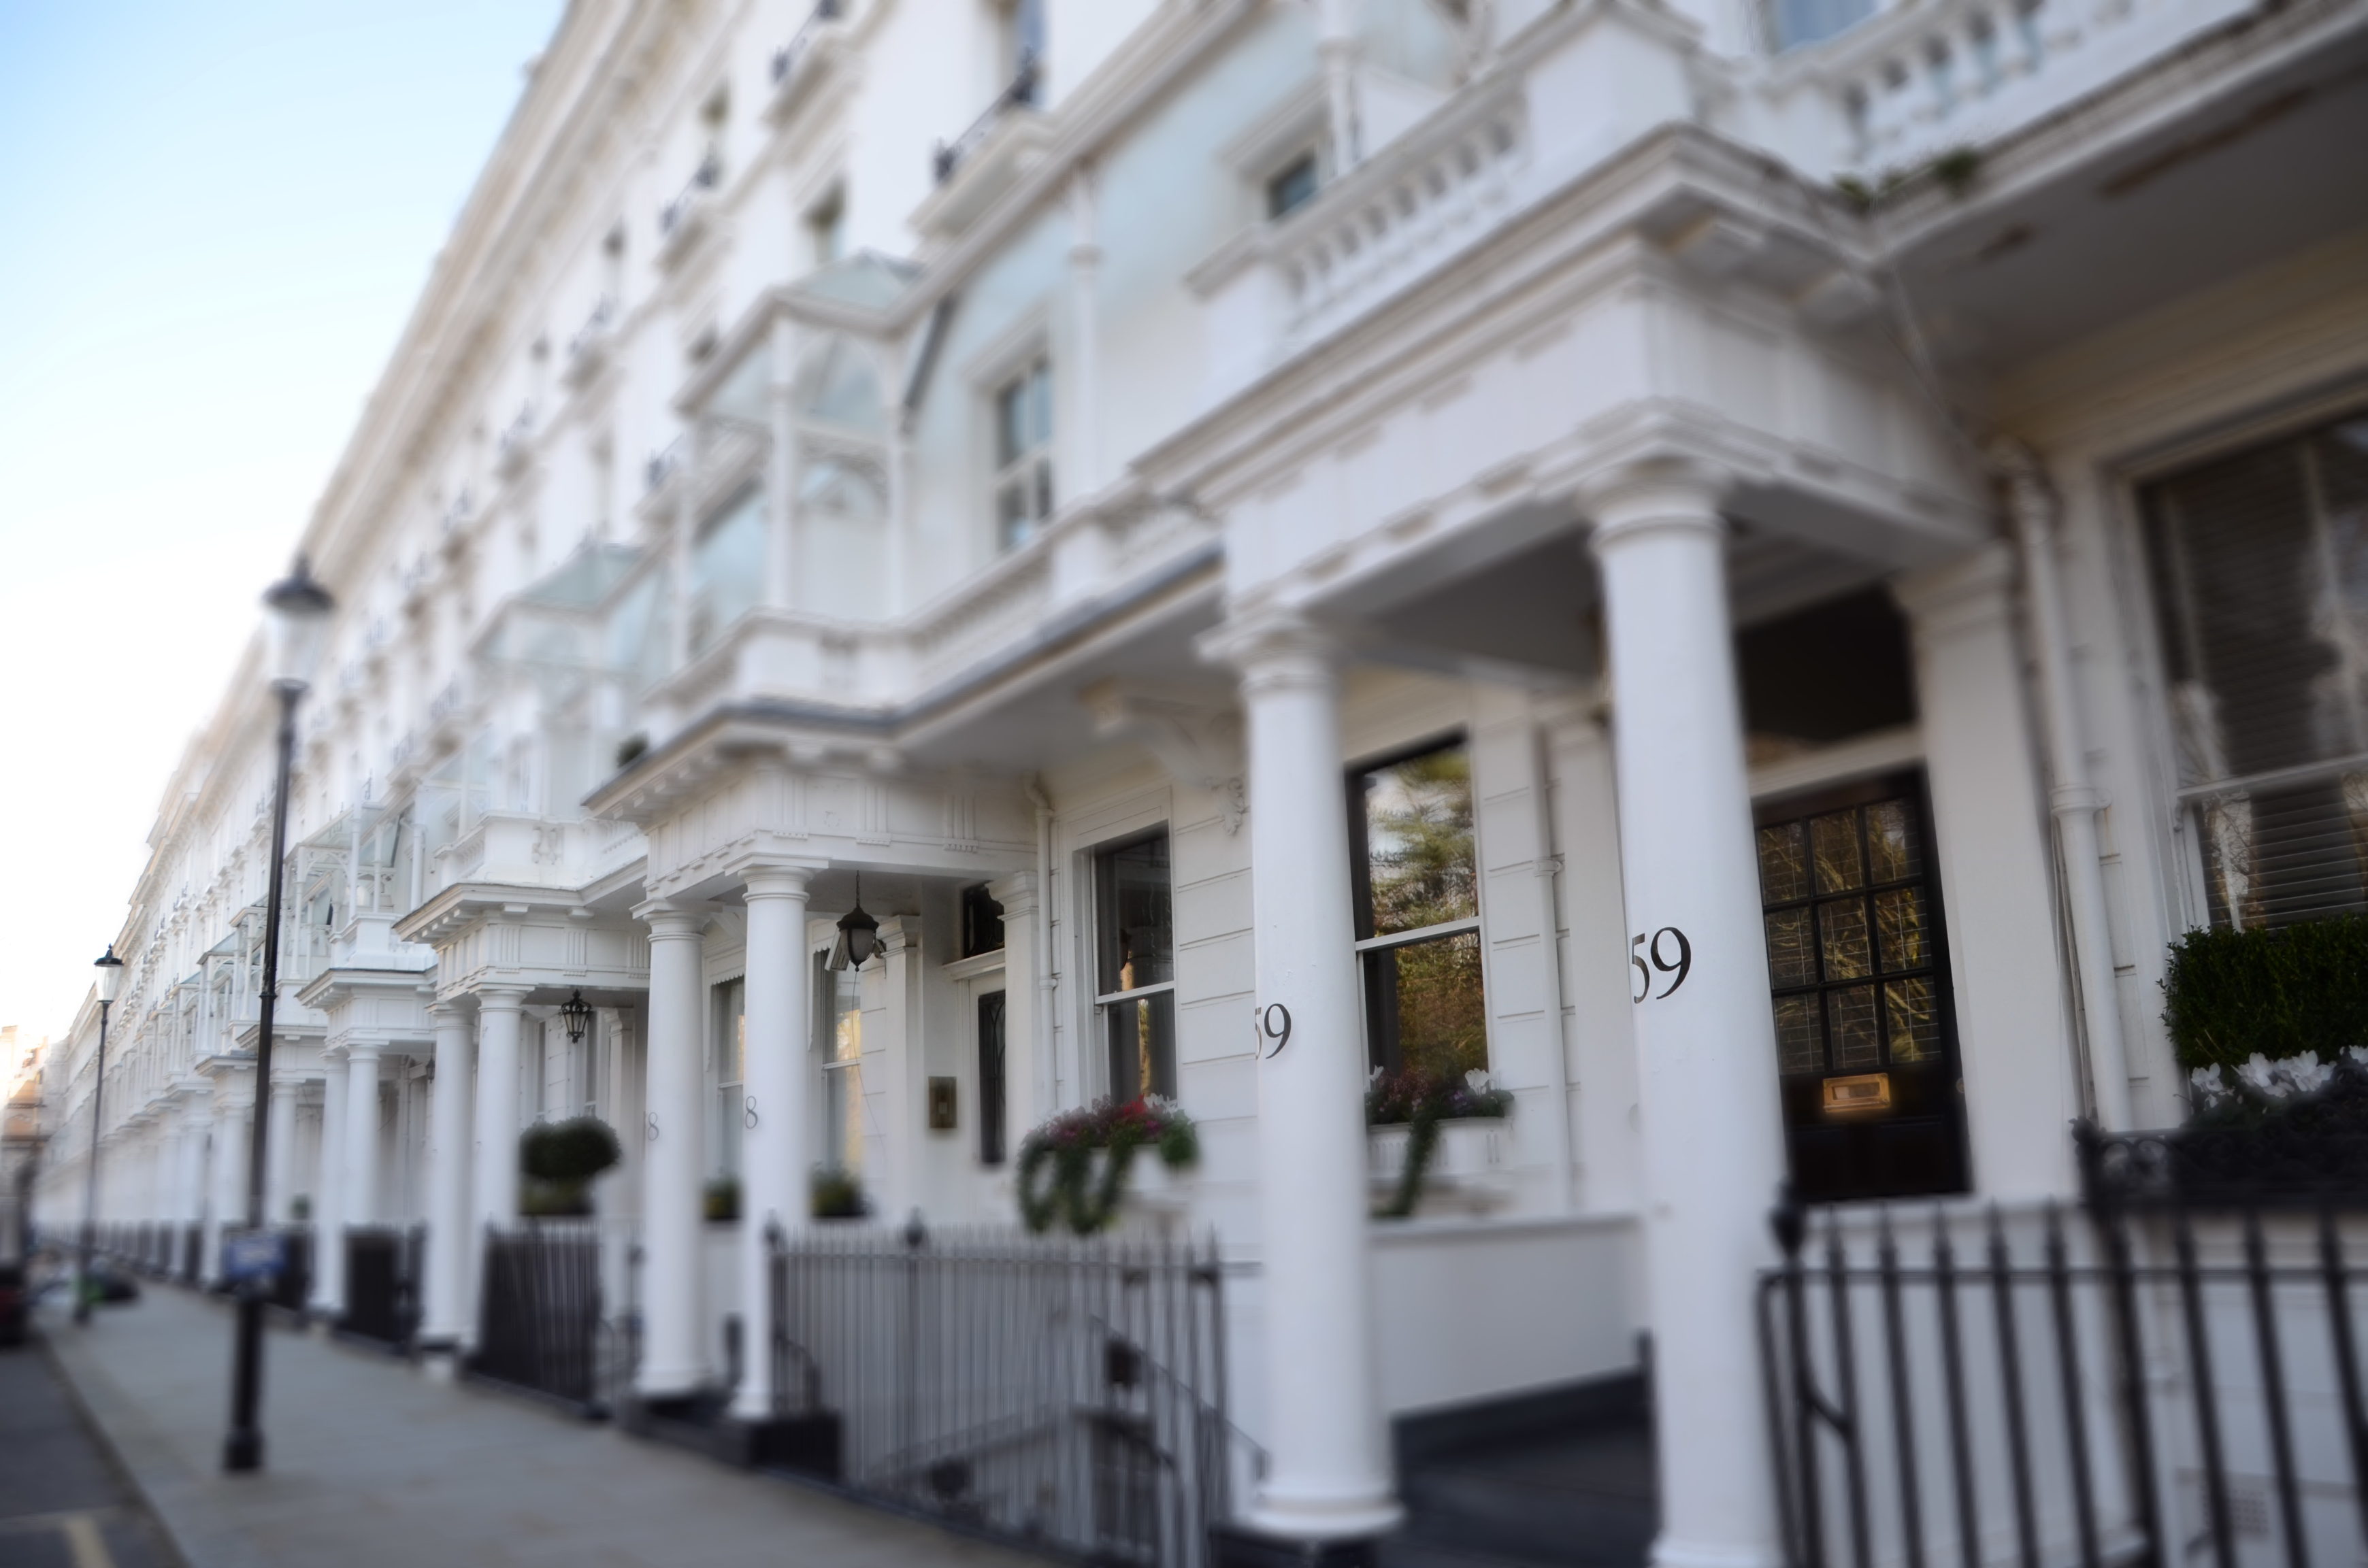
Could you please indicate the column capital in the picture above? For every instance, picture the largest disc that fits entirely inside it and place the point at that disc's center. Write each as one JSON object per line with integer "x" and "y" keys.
{"x": 450, "y": 1011}
{"x": 900, "y": 934}
{"x": 1655, "y": 494}
{"x": 1971, "y": 592}
{"x": 1277, "y": 648}
{"x": 775, "y": 878}
{"x": 1016, "y": 894}
{"x": 670, "y": 921}
{"x": 498, "y": 999}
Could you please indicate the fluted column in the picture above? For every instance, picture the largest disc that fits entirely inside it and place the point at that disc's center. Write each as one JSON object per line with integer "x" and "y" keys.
{"x": 1706, "y": 1049}
{"x": 674, "y": 1358}
{"x": 447, "y": 1315}
{"x": 329, "y": 1203}
{"x": 1027, "y": 1069}
{"x": 1329, "y": 1475}
{"x": 776, "y": 1153}
{"x": 496, "y": 1163}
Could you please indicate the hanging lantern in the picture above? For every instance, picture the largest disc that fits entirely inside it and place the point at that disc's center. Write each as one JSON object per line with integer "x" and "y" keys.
{"x": 577, "y": 1014}
{"x": 859, "y": 936}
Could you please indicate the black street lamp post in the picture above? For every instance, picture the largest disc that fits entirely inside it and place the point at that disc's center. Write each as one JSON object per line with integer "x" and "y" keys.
{"x": 297, "y": 618}
{"x": 111, "y": 983}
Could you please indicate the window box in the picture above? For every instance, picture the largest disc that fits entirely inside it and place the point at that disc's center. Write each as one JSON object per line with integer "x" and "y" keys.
{"x": 1468, "y": 1171}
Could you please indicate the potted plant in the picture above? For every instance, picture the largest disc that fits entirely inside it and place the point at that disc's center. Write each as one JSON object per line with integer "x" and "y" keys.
{"x": 719, "y": 1201}
{"x": 559, "y": 1160}
{"x": 1075, "y": 1168}
{"x": 838, "y": 1195}
{"x": 1412, "y": 1112}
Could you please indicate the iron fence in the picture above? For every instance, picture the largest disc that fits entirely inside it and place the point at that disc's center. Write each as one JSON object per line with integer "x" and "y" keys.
{"x": 2162, "y": 1383}
{"x": 193, "y": 1253}
{"x": 538, "y": 1314}
{"x": 1064, "y": 1394}
{"x": 382, "y": 1282}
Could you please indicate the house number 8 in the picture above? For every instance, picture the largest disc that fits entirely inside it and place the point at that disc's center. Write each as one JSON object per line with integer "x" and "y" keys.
{"x": 1677, "y": 967}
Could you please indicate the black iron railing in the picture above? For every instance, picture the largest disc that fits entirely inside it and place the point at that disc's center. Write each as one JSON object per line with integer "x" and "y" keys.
{"x": 382, "y": 1282}
{"x": 1019, "y": 93}
{"x": 193, "y": 1254}
{"x": 538, "y": 1313}
{"x": 1070, "y": 1395}
{"x": 786, "y": 58}
{"x": 2147, "y": 1387}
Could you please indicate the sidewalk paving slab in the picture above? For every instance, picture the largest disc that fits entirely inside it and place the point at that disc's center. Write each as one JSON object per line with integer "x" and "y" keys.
{"x": 369, "y": 1463}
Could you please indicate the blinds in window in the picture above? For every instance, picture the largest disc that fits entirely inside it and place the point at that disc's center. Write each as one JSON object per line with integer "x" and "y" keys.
{"x": 2260, "y": 569}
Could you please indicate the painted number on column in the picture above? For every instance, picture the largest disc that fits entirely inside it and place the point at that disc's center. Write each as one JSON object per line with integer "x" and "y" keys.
{"x": 1274, "y": 1024}
{"x": 1670, "y": 952}
{"x": 748, "y": 1112}
{"x": 653, "y": 1126}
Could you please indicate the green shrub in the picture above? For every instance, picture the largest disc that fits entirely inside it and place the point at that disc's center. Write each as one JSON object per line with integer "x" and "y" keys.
{"x": 2277, "y": 992}
{"x": 838, "y": 1195}
{"x": 720, "y": 1200}
{"x": 570, "y": 1153}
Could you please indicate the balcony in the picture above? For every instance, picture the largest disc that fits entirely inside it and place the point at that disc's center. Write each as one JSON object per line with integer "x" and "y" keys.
{"x": 520, "y": 849}
{"x": 514, "y": 449}
{"x": 684, "y": 221}
{"x": 988, "y": 158}
{"x": 804, "y": 62}
{"x": 587, "y": 351}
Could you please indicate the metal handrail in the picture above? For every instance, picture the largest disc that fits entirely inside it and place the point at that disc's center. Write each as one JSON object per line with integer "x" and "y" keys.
{"x": 1019, "y": 94}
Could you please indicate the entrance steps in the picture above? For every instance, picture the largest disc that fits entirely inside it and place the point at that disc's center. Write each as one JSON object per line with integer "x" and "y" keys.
{"x": 1559, "y": 1479}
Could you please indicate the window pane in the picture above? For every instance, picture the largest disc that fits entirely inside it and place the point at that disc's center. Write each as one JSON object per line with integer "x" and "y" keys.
{"x": 1783, "y": 863}
{"x": 1131, "y": 910}
{"x": 1424, "y": 1007}
{"x": 843, "y": 1117}
{"x": 1915, "y": 1032}
{"x": 1142, "y": 1046}
{"x": 1010, "y": 424}
{"x": 1841, "y": 936}
{"x": 1836, "y": 840}
{"x": 1292, "y": 188}
{"x": 1850, "y": 1017}
{"x": 727, "y": 568}
{"x": 1891, "y": 842}
{"x": 846, "y": 991}
{"x": 1011, "y": 520}
{"x": 1040, "y": 405}
{"x": 1800, "y": 1046}
{"x": 1420, "y": 861}
{"x": 990, "y": 1078}
{"x": 1791, "y": 959}
{"x": 1899, "y": 925}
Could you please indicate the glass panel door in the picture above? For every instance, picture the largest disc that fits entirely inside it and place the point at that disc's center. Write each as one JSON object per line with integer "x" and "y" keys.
{"x": 1865, "y": 1027}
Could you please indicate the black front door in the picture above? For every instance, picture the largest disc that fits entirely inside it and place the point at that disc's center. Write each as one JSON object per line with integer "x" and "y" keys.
{"x": 1866, "y": 1047}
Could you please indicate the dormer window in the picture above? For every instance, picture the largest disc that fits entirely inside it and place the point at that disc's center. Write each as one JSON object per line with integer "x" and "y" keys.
{"x": 1023, "y": 454}
{"x": 1293, "y": 186}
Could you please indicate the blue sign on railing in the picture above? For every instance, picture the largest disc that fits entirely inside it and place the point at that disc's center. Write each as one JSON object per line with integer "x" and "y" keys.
{"x": 255, "y": 1255}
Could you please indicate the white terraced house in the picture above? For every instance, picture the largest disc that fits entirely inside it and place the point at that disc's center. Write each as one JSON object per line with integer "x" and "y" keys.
{"x": 1746, "y": 569}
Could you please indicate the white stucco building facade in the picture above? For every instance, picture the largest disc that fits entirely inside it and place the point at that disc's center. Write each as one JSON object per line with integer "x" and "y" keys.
{"x": 1158, "y": 469}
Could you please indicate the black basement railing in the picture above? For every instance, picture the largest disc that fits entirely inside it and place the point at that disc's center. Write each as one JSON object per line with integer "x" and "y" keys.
{"x": 538, "y": 1320}
{"x": 382, "y": 1266}
{"x": 2176, "y": 1378}
{"x": 1066, "y": 1395}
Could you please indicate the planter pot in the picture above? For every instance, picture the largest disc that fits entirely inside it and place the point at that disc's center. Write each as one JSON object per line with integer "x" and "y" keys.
{"x": 1155, "y": 1192}
{"x": 1467, "y": 1172}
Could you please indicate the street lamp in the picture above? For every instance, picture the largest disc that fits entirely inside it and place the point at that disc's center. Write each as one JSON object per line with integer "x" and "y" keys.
{"x": 110, "y": 985}
{"x": 859, "y": 936}
{"x": 296, "y": 622}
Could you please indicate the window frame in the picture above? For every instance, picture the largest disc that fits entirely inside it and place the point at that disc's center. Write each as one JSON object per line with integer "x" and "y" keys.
{"x": 1030, "y": 466}
{"x": 728, "y": 1095}
{"x": 831, "y": 1065}
{"x": 1361, "y": 880}
{"x": 1102, "y": 1001}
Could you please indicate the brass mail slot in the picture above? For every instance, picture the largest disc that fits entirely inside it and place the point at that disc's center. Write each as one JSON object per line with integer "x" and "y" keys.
{"x": 1861, "y": 1093}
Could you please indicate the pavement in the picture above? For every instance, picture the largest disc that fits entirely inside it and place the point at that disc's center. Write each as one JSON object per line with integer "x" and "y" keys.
{"x": 369, "y": 1463}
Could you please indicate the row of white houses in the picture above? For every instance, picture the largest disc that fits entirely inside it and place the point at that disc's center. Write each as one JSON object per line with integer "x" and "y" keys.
{"x": 1742, "y": 568}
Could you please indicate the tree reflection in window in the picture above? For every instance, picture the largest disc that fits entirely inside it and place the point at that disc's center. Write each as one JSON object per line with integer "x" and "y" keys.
{"x": 1418, "y": 912}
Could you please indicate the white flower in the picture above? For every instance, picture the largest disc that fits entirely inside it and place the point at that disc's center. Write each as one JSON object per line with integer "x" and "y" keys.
{"x": 2209, "y": 1086}
{"x": 1476, "y": 1080}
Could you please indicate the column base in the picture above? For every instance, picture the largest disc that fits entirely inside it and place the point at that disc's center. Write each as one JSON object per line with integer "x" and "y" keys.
{"x": 1669, "y": 1551}
{"x": 1234, "y": 1545}
{"x": 439, "y": 1359}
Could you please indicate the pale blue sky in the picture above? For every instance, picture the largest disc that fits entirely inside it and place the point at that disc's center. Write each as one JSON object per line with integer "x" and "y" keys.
{"x": 217, "y": 217}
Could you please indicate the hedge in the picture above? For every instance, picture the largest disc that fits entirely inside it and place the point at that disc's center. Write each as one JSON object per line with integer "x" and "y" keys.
{"x": 2277, "y": 992}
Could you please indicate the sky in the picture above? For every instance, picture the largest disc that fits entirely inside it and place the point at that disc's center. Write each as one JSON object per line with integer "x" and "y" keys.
{"x": 219, "y": 217}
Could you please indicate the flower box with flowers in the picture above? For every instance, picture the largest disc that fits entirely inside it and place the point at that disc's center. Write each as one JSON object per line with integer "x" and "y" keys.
{"x": 1076, "y": 1169}
{"x": 1435, "y": 1132}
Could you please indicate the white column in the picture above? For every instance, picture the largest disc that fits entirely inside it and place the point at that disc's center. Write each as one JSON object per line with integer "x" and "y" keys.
{"x": 2074, "y": 800}
{"x": 2018, "y": 1065}
{"x": 197, "y": 1126}
{"x": 329, "y": 1203}
{"x": 1713, "y": 1149}
{"x": 496, "y": 1166}
{"x": 447, "y": 1315}
{"x": 232, "y": 1133}
{"x": 1329, "y": 1475}
{"x": 361, "y": 1139}
{"x": 1027, "y": 1080}
{"x": 905, "y": 1067}
{"x": 674, "y": 1357}
{"x": 777, "y": 1154}
{"x": 279, "y": 1152}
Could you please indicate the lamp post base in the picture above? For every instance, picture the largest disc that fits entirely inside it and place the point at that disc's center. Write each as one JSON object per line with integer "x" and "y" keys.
{"x": 243, "y": 1451}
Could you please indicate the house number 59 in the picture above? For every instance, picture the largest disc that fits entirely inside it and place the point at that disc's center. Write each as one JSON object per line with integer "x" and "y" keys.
{"x": 1679, "y": 967}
